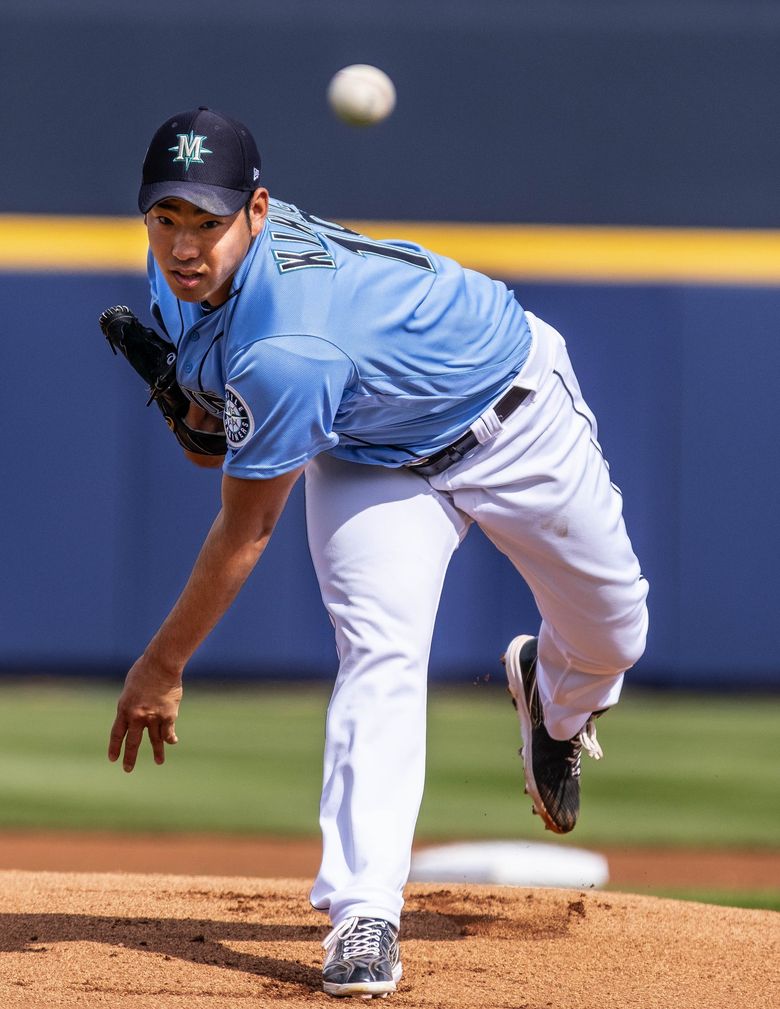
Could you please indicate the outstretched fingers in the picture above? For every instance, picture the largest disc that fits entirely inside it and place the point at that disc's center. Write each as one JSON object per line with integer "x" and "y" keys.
{"x": 149, "y": 701}
{"x": 131, "y": 732}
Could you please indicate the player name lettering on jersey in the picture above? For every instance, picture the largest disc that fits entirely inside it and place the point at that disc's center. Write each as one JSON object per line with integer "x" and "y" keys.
{"x": 287, "y": 260}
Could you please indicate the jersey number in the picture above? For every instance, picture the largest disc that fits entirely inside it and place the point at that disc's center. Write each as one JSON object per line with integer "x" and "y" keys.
{"x": 353, "y": 242}
{"x": 362, "y": 246}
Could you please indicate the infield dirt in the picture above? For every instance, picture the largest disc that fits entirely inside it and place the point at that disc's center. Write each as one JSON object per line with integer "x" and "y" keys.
{"x": 631, "y": 869}
{"x": 204, "y": 942}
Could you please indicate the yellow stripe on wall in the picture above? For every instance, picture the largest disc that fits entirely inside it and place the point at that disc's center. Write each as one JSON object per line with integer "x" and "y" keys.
{"x": 514, "y": 251}
{"x": 72, "y": 244}
{"x": 600, "y": 254}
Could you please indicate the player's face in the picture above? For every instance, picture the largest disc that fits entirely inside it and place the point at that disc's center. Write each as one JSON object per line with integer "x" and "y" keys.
{"x": 198, "y": 252}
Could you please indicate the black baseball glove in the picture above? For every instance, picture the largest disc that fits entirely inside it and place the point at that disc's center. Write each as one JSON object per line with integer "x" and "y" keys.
{"x": 154, "y": 358}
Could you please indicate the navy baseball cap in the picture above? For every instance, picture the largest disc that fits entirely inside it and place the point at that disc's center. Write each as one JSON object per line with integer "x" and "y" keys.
{"x": 204, "y": 157}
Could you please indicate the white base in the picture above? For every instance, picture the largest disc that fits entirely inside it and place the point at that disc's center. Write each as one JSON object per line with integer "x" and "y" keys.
{"x": 513, "y": 863}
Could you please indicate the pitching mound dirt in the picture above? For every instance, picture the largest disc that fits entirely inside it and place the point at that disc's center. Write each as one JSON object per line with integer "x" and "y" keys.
{"x": 131, "y": 941}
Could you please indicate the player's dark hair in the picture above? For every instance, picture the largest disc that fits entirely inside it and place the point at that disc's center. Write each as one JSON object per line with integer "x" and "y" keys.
{"x": 248, "y": 216}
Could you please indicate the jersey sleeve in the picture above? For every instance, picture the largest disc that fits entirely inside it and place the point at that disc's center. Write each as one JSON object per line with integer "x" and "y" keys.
{"x": 281, "y": 397}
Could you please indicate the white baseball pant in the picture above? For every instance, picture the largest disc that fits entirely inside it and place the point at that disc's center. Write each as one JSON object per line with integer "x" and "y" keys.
{"x": 381, "y": 540}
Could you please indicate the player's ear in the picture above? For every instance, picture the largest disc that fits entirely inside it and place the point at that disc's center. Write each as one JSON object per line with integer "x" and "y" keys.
{"x": 257, "y": 211}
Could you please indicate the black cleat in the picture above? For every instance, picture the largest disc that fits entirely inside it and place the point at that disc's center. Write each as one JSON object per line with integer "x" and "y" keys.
{"x": 552, "y": 767}
{"x": 363, "y": 958}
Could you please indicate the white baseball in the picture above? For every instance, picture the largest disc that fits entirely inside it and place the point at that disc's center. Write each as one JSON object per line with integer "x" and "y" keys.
{"x": 361, "y": 95}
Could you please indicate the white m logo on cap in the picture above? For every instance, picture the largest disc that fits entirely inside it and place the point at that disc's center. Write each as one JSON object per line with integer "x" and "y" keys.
{"x": 190, "y": 148}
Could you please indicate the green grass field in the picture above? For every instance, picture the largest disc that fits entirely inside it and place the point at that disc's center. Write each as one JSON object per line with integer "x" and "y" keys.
{"x": 678, "y": 770}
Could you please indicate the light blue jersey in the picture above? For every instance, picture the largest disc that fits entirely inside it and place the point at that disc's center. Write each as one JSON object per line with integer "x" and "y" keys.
{"x": 378, "y": 352}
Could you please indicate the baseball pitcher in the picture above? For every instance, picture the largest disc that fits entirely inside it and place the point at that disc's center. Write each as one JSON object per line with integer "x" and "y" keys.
{"x": 419, "y": 398}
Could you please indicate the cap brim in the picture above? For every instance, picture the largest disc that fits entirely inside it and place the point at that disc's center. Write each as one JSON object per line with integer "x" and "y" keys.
{"x": 212, "y": 199}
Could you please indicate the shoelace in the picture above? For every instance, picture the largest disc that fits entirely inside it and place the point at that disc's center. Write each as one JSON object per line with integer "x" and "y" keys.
{"x": 590, "y": 743}
{"x": 585, "y": 740}
{"x": 361, "y": 937}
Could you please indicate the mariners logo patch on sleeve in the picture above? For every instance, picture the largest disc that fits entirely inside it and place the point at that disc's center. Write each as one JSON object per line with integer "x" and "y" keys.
{"x": 238, "y": 419}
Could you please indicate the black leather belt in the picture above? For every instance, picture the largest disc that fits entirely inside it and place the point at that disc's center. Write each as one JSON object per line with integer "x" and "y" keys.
{"x": 446, "y": 457}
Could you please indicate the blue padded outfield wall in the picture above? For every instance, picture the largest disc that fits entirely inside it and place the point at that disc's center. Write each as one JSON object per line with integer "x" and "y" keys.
{"x": 550, "y": 112}
{"x": 103, "y": 517}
